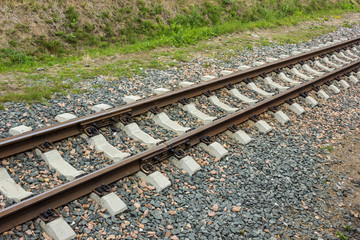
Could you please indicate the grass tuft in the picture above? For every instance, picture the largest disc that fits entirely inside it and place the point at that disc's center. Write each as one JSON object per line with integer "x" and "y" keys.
{"x": 342, "y": 236}
{"x": 329, "y": 148}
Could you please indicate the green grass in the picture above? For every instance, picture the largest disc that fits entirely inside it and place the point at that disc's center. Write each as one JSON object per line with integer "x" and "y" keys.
{"x": 299, "y": 36}
{"x": 346, "y": 24}
{"x": 40, "y": 92}
{"x": 342, "y": 236}
{"x": 329, "y": 148}
{"x": 183, "y": 33}
{"x": 348, "y": 228}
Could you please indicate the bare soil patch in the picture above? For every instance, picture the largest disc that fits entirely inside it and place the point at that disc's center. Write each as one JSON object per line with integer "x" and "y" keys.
{"x": 345, "y": 164}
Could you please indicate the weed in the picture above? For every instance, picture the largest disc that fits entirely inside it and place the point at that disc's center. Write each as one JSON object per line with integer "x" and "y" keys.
{"x": 103, "y": 44}
{"x": 249, "y": 46}
{"x": 10, "y": 57}
{"x": 180, "y": 56}
{"x": 108, "y": 30}
{"x": 59, "y": 33}
{"x": 156, "y": 9}
{"x": 265, "y": 42}
{"x": 88, "y": 28}
{"x": 55, "y": 18}
{"x": 301, "y": 35}
{"x": 105, "y": 15}
{"x": 2, "y": 107}
{"x": 22, "y": 27}
{"x": 70, "y": 38}
{"x": 13, "y": 43}
{"x": 72, "y": 17}
{"x": 348, "y": 228}
{"x": 71, "y": 14}
{"x": 77, "y": 91}
{"x": 52, "y": 46}
{"x": 98, "y": 86}
{"x": 171, "y": 64}
{"x": 342, "y": 236}
{"x": 347, "y": 24}
{"x": 329, "y": 148}
{"x": 206, "y": 65}
{"x": 155, "y": 64}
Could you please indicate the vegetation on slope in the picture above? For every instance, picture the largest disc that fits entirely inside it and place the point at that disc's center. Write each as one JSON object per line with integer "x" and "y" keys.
{"x": 48, "y": 32}
{"x": 76, "y": 27}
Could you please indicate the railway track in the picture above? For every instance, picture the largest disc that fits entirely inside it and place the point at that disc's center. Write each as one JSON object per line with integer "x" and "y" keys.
{"x": 344, "y": 63}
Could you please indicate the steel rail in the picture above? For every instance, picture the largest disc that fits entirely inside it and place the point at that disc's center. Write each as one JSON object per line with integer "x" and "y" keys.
{"x": 32, "y": 207}
{"x": 26, "y": 141}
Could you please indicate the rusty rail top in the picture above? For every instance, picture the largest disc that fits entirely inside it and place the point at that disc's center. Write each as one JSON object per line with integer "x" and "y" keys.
{"x": 20, "y": 143}
{"x": 32, "y": 207}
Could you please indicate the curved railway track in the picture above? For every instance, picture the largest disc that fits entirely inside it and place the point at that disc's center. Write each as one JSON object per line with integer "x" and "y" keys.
{"x": 30, "y": 208}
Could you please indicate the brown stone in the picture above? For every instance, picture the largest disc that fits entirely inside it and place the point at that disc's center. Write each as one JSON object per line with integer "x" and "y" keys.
{"x": 236, "y": 208}
{"x": 172, "y": 212}
{"x": 215, "y": 207}
{"x": 211, "y": 214}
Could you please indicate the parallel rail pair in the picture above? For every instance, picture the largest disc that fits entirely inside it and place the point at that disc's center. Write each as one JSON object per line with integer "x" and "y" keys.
{"x": 31, "y": 208}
